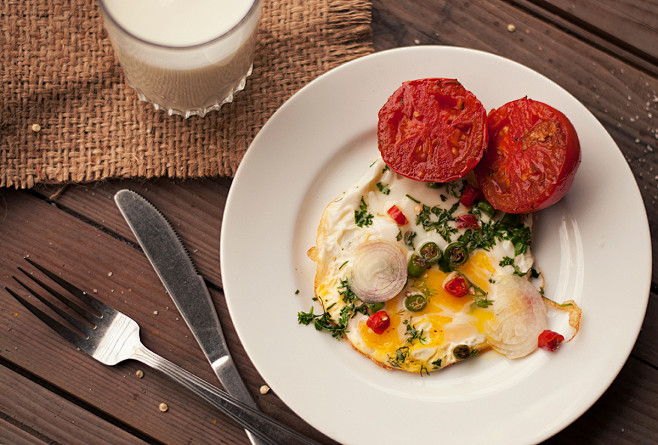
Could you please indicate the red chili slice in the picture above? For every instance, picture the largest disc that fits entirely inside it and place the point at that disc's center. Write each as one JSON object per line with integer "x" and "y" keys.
{"x": 379, "y": 322}
{"x": 397, "y": 215}
{"x": 549, "y": 340}
{"x": 432, "y": 130}
{"x": 457, "y": 287}
{"x": 467, "y": 221}
{"x": 469, "y": 195}
{"x": 532, "y": 157}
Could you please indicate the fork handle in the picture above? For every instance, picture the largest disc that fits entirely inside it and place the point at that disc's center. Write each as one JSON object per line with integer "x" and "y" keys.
{"x": 260, "y": 425}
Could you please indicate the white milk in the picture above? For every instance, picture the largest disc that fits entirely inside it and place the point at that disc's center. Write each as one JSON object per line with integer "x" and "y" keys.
{"x": 185, "y": 56}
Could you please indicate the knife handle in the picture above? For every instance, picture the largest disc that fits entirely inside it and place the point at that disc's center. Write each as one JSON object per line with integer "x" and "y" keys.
{"x": 230, "y": 379}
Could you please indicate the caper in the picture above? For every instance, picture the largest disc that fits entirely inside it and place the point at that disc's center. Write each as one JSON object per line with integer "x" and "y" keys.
{"x": 462, "y": 352}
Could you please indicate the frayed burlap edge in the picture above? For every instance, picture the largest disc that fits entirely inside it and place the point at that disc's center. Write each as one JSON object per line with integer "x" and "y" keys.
{"x": 68, "y": 116}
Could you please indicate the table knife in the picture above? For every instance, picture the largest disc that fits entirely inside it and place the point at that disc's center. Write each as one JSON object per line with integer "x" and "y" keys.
{"x": 186, "y": 287}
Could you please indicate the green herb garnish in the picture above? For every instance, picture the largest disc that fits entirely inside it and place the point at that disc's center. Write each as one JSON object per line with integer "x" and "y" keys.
{"x": 362, "y": 217}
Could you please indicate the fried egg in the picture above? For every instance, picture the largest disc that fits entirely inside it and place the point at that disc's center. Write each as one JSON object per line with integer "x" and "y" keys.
{"x": 428, "y": 325}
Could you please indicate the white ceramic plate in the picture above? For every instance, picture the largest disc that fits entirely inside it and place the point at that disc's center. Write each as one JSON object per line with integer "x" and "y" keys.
{"x": 320, "y": 142}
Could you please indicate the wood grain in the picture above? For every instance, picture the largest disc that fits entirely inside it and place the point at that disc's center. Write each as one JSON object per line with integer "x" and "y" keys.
{"x": 35, "y": 417}
{"x": 49, "y": 392}
{"x": 71, "y": 246}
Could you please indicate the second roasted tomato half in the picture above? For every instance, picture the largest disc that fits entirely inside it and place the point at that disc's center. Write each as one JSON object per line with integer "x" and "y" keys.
{"x": 532, "y": 157}
{"x": 432, "y": 130}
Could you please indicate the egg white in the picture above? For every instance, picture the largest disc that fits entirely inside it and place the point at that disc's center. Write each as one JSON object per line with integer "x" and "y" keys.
{"x": 421, "y": 341}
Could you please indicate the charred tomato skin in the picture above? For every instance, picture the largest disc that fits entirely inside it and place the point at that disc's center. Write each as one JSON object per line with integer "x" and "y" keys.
{"x": 432, "y": 130}
{"x": 532, "y": 157}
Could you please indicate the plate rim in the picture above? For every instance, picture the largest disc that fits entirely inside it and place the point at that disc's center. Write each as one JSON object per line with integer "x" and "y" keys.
{"x": 243, "y": 171}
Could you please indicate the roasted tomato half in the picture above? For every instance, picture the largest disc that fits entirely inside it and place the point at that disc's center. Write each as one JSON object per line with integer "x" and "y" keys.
{"x": 532, "y": 157}
{"x": 432, "y": 130}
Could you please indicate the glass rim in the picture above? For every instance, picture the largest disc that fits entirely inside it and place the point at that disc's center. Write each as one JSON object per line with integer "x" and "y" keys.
{"x": 254, "y": 7}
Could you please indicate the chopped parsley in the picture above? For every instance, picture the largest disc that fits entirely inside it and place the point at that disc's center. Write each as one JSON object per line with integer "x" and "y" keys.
{"x": 325, "y": 322}
{"x": 456, "y": 188}
{"x": 509, "y": 261}
{"x": 409, "y": 236}
{"x": 437, "y": 218}
{"x": 362, "y": 217}
{"x": 401, "y": 355}
{"x": 383, "y": 188}
{"x": 490, "y": 232}
{"x": 414, "y": 334}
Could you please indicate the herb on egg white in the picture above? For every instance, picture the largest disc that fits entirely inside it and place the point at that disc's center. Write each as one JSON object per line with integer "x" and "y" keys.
{"x": 437, "y": 363}
{"x": 413, "y": 199}
{"x": 325, "y": 321}
{"x": 437, "y": 218}
{"x": 362, "y": 217}
{"x": 383, "y": 188}
{"x": 509, "y": 261}
{"x": 344, "y": 290}
{"x": 401, "y": 355}
{"x": 385, "y": 169}
{"x": 414, "y": 334}
{"x": 409, "y": 238}
{"x": 456, "y": 188}
{"x": 422, "y": 287}
{"x": 490, "y": 232}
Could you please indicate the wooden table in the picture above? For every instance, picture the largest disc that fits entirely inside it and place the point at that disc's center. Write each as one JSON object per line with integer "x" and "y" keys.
{"x": 603, "y": 52}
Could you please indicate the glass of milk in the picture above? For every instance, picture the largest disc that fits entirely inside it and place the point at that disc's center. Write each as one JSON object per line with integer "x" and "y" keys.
{"x": 186, "y": 57}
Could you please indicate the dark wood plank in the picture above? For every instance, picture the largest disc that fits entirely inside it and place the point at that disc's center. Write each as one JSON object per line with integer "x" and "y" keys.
{"x": 630, "y": 24}
{"x": 194, "y": 208}
{"x": 645, "y": 347}
{"x": 34, "y": 414}
{"x": 625, "y": 414}
{"x": 89, "y": 257}
{"x": 12, "y": 434}
{"x": 624, "y": 99}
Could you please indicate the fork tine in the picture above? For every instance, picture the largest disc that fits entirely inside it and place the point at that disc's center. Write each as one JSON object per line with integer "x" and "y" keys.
{"x": 82, "y": 327}
{"x": 82, "y": 295}
{"x": 67, "y": 301}
{"x": 54, "y": 324}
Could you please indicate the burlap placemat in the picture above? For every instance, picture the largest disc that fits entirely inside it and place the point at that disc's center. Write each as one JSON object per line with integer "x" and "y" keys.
{"x": 68, "y": 115}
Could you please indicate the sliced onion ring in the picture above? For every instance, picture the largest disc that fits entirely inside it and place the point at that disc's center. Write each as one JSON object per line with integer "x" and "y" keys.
{"x": 378, "y": 271}
{"x": 519, "y": 317}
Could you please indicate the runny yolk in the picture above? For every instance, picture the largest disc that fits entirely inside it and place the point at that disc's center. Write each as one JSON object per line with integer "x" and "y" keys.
{"x": 481, "y": 317}
{"x": 388, "y": 340}
{"x": 478, "y": 269}
{"x": 439, "y": 312}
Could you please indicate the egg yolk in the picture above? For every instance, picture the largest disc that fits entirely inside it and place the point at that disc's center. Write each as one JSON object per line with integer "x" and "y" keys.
{"x": 439, "y": 312}
{"x": 478, "y": 269}
{"x": 386, "y": 341}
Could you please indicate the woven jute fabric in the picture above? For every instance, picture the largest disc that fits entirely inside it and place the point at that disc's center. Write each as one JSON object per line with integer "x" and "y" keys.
{"x": 68, "y": 115}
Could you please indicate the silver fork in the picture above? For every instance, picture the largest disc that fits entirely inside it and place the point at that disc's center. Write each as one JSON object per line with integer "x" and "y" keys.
{"x": 111, "y": 337}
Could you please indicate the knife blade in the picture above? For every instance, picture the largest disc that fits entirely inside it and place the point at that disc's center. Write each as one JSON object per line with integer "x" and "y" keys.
{"x": 187, "y": 289}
